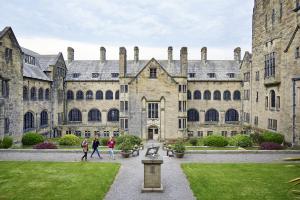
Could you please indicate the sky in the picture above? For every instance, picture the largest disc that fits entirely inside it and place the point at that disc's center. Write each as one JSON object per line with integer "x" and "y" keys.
{"x": 49, "y": 27}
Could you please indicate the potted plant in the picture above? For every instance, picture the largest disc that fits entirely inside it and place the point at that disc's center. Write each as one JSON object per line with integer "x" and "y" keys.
{"x": 126, "y": 148}
{"x": 179, "y": 149}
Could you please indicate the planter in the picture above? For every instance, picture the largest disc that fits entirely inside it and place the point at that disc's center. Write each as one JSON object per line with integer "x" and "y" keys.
{"x": 125, "y": 154}
{"x": 179, "y": 155}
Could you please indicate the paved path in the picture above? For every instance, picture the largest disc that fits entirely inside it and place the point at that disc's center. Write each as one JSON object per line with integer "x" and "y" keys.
{"x": 129, "y": 180}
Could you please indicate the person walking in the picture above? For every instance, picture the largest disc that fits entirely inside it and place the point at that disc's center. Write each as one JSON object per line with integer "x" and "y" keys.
{"x": 111, "y": 145}
{"x": 85, "y": 149}
{"x": 95, "y": 146}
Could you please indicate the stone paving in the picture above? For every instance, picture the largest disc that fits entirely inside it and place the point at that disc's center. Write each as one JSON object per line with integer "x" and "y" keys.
{"x": 129, "y": 180}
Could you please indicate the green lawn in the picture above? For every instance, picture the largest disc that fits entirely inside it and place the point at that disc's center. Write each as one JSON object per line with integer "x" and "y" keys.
{"x": 54, "y": 180}
{"x": 241, "y": 181}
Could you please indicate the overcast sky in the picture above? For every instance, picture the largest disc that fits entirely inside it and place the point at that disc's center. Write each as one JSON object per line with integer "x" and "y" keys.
{"x": 49, "y": 26}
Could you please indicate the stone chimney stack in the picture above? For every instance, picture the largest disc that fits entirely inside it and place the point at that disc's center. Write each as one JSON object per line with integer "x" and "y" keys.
{"x": 136, "y": 54}
{"x": 70, "y": 55}
{"x": 170, "y": 54}
{"x": 122, "y": 62}
{"x": 237, "y": 54}
{"x": 102, "y": 54}
{"x": 183, "y": 61}
{"x": 204, "y": 54}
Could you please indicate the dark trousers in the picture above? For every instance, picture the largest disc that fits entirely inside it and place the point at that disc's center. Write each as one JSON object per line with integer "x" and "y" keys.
{"x": 96, "y": 150}
{"x": 84, "y": 156}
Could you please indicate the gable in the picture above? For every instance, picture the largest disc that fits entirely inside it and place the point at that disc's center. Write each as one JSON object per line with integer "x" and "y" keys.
{"x": 8, "y": 31}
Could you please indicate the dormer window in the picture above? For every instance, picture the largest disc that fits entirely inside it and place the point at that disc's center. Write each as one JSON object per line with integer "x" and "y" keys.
{"x": 76, "y": 75}
{"x": 192, "y": 75}
{"x": 211, "y": 75}
{"x": 114, "y": 75}
{"x": 231, "y": 75}
{"x": 29, "y": 59}
{"x": 153, "y": 73}
{"x": 95, "y": 75}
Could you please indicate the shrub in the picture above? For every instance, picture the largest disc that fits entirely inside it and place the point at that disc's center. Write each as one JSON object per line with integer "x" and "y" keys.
{"x": 256, "y": 138}
{"x": 240, "y": 141}
{"x": 193, "y": 141}
{"x": 179, "y": 147}
{"x": 69, "y": 140}
{"x": 272, "y": 137}
{"x": 32, "y": 139}
{"x": 133, "y": 139}
{"x": 126, "y": 145}
{"x": 215, "y": 141}
{"x": 103, "y": 141}
{"x": 45, "y": 145}
{"x": 7, "y": 142}
{"x": 270, "y": 146}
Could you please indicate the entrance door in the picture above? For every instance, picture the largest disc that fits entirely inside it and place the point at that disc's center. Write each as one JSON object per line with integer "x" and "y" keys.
{"x": 152, "y": 133}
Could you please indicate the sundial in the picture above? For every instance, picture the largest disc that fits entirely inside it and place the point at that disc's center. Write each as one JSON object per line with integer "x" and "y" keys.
{"x": 152, "y": 152}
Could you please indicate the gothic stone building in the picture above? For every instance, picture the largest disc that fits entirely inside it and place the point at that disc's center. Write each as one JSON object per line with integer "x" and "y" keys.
{"x": 159, "y": 99}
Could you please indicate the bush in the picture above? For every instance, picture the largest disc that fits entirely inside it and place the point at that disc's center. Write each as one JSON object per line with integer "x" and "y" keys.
{"x": 7, "y": 142}
{"x": 103, "y": 141}
{"x": 272, "y": 137}
{"x": 270, "y": 146}
{"x": 255, "y": 137}
{"x": 193, "y": 141}
{"x": 45, "y": 145}
{"x": 240, "y": 141}
{"x": 126, "y": 145}
{"x": 32, "y": 139}
{"x": 69, "y": 140}
{"x": 134, "y": 140}
{"x": 179, "y": 147}
{"x": 215, "y": 141}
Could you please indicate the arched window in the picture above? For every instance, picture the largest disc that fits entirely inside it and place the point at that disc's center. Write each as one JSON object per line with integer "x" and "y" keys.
{"x": 227, "y": 95}
{"x": 94, "y": 115}
{"x": 217, "y": 95}
{"x": 193, "y": 115}
{"x": 47, "y": 94}
{"x": 75, "y": 115}
{"x": 212, "y": 115}
{"x": 44, "y": 118}
{"x": 28, "y": 121}
{"x": 70, "y": 95}
{"x": 197, "y": 95}
{"x": 207, "y": 95}
{"x": 117, "y": 94}
{"x": 79, "y": 95}
{"x": 99, "y": 95}
{"x": 89, "y": 95}
{"x": 33, "y": 93}
{"x": 109, "y": 95}
{"x": 189, "y": 95}
{"x": 237, "y": 95}
{"x": 231, "y": 116}
{"x": 25, "y": 93}
{"x": 272, "y": 97}
{"x": 113, "y": 115}
{"x": 41, "y": 94}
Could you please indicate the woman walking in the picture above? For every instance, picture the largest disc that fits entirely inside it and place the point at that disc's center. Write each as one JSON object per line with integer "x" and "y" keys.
{"x": 95, "y": 147}
{"x": 85, "y": 149}
{"x": 111, "y": 145}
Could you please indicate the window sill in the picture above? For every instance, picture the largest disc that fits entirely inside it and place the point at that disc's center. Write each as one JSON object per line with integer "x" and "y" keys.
{"x": 29, "y": 129}
{"x": 44, "y": 126}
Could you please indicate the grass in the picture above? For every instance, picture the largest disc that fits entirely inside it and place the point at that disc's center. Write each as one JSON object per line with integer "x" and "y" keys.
{"x": 241, "y": 181}
{"x": 54, "y": 180}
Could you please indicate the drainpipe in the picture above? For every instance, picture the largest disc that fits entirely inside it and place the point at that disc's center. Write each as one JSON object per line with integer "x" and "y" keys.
{"x": 294, "y": 109}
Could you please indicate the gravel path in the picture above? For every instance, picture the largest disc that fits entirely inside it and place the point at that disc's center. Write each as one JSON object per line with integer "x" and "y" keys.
{"x": 129, "y": 180}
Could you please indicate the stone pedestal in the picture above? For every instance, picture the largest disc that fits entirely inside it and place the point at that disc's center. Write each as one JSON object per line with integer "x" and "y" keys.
{"x": 152, "y": 175}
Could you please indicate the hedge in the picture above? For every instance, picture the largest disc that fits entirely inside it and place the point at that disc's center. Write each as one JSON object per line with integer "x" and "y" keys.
{"x": 215, "y": 141}
{"x": 32, "y": 138}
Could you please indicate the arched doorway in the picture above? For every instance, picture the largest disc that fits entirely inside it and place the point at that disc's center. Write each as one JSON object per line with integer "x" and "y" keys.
{"x": 153, "y": 133}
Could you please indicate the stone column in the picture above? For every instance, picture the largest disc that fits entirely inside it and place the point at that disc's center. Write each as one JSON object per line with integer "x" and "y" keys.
{"x": 162, "y": 119}
{"x": 202, "y": 116}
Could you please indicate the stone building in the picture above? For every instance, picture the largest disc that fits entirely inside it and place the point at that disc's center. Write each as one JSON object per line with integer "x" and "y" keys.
{"x": 159, "y": 99}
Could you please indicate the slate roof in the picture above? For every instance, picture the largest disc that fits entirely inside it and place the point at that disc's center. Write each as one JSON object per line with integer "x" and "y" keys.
{"x": 42, "y": 63}
{"x": 86, "y": 68}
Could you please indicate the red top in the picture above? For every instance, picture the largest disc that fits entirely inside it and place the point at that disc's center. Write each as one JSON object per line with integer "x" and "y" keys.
{"x": 111, "y": 144}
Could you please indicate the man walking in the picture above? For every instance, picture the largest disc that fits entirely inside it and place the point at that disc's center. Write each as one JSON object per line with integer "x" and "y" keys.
{"x": 95, "y": 147}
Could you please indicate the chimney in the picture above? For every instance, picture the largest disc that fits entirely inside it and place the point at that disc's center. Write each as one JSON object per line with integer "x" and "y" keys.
{"x": 237, "y": 54}
{"x": 170, "y": 54}
{"x": 122, "y": 61}
{"x": 136, "y": 54}
{"x": 102, "y": 54}
{"x": 183, "y": 61}
{"x": 247, "y": 56}
{"x": 70, "y": 55}
{"x": 204, "y": 54}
